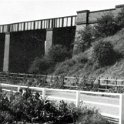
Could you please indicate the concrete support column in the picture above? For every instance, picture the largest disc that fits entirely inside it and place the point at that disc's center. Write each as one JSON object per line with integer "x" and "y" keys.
{"x": 48, "y": 42}
{"x": 6, "y": 52}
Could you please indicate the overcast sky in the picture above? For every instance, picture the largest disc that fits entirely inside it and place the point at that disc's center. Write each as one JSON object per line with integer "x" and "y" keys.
{"x": 25, "y": 10}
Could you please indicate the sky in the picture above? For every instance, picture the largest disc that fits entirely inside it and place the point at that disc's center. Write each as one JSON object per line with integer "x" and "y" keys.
{"x": 12, "y": 11}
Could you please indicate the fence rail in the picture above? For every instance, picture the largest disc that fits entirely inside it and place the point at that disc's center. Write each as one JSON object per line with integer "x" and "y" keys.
{"x": 110, "y": 105}
{"x": 103, "y": 84}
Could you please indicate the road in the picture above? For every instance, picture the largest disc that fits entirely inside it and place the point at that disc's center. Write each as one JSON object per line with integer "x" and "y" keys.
{"x": 105, "y": 104}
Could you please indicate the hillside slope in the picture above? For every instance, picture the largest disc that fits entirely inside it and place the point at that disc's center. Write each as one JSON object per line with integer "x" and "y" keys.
{"x": 79, "y": 66}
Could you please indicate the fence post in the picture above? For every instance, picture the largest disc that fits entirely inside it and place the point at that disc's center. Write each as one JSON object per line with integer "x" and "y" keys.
{"x": 77, "y": 98}
{"x": 43, "y": 93}
{"x": 99, "y": 82}
{"x": 18, "y": 89}
{"x": 121, "y": 111}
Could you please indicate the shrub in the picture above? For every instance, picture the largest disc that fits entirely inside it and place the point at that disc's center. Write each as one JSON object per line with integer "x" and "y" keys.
{"x": 71, "y": 64}
{"x": 104, "y": 54}
{"x": 28, "y": 107}
{"x": 91, "y": 116}
{"x": 120, "y": 18}
{"x": 58, "y": 53}
{"x": 63, "y": 67}
{"x": 84, "y": 39}
{"x": 41, "y": 65}
{"x": 106, "y": 26}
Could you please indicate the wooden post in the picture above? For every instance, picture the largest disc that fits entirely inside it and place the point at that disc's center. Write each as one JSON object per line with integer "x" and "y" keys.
{"x": 18, "y": 89}
{"x": 77, "y": 98}
{"x": 6, "y": 52}
{"x": 43, "y": 93}
{"x": 99, "y": 82}
{"x": 107, "y": 83}
{"x": 121, "y": 111}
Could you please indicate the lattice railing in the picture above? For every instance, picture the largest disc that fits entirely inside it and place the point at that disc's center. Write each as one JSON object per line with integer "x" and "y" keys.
{"x": 60, "y": 22}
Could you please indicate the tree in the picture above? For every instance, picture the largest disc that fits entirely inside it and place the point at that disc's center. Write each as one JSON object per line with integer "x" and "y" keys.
{"x": 58, "y": 53}
{"x": 106, "y": 26}
{"x": 120, "y": 18}
{"x": 84, "y": 38}
{"x": 104, "y": 53}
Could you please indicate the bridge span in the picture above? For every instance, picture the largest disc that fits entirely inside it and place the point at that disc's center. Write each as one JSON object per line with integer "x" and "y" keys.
{"x": 22, "y": 42}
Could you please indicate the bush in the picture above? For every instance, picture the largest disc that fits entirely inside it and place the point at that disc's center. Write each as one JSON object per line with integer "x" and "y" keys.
{"x": 91, "y": 116}
{"x": 84, "y": 39}
{"x": 58, "y": 53}
{"x": 46, "y": 64}
{"x": 41, "y": 65}
{"x": 120, "y": 18}
{"x": 104, "y": 54}
{"x": 75, "y": 63}
{"x": 28, "y": 107}
{"x": 106, "y": 26}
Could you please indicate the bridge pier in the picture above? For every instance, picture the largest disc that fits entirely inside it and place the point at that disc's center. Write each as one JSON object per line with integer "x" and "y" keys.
{"x": 6, "y": 52}
{"x": 48, "y": 42}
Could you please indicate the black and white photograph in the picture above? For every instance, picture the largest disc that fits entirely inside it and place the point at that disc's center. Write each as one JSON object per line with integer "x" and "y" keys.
{"x": 61, "y": 62}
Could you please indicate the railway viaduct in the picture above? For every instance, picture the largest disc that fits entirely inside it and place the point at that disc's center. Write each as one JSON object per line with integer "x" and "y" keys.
{"x": 22, "y": 42}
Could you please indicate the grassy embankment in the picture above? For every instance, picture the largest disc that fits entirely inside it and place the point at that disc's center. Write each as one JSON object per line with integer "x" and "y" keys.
{"x": 82, "y": 64}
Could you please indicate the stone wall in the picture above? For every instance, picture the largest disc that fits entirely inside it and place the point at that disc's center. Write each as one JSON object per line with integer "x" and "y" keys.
{"x": 87, "y": 17}
{"x": 90, "y": 17}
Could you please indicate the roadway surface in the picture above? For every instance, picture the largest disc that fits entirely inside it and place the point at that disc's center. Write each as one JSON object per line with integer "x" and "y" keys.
{"x": 105, "y": 104}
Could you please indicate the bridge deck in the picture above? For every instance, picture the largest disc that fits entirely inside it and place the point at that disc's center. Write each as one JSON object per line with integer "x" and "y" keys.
{"x": 60, "y": 22}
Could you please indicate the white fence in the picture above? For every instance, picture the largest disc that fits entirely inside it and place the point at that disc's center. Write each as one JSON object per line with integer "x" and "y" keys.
{"x": 110, "y": 105}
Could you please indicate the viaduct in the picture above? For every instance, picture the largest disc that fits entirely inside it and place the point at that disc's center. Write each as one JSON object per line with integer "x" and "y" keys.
{"x": 22, "y": 42}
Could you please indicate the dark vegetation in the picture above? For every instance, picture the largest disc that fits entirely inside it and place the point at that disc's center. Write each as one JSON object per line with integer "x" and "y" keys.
{"x": 84, "y": 39}
{"x": 58, "y": 53}
{"x": 106, "y": 26}
{"x": 104, "y": 53}
{"x": 120, "y": 19}
{"x": 46, "y": 64}
{"x": 26, "y": 107}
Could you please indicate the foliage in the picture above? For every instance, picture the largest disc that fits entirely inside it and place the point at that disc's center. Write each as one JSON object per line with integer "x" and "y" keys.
{"x": 57, "y": 82}
{"x": 47, "y": 63}
{"x": 116, "y": 89}
{"x": 104, "y": 53}
{"x": 41, "y": 65}
{"x": 26, "y": 107}
{"x": 84, "y": 39}
{"x": 106, "y": 26}
{"x": 120, "y": 18}
{"x": 64, "y": 67}
{"x": 58, "y": 53}
{"x": 91, "y": 116}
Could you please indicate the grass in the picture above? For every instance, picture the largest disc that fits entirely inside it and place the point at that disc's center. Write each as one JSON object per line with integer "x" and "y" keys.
{"x": 82, "y": 64}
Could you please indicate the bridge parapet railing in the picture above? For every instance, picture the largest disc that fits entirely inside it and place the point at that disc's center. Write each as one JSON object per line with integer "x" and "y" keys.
{"x": 60, "y": 22}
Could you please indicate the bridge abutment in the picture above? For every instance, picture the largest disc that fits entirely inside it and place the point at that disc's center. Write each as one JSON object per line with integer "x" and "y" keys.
{"x": 81, "y": 22}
